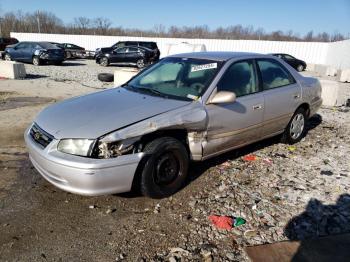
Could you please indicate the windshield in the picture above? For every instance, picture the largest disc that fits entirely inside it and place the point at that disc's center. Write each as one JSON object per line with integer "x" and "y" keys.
{"x": 179, "y": 78}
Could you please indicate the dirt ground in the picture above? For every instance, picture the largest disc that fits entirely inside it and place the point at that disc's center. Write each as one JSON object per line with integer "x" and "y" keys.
{"x": 297, "y": 192}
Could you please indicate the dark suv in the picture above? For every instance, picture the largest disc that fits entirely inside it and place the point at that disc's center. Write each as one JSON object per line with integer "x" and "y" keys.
{"x": 127, "y": 55}
{"x": 149, "y": 45}
{"x": 6, "y": 41}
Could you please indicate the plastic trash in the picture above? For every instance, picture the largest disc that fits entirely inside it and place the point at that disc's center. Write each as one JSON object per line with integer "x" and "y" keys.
{"x": 238, "y": 221}
{"x": 226, "y": 222}
{"x": 292, "y": 148}
{"x": 250, "y": 158}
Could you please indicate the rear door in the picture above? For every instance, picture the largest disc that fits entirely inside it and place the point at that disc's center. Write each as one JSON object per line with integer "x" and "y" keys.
{"x": 233, "y": 124}
{"x": 282, "y": 95}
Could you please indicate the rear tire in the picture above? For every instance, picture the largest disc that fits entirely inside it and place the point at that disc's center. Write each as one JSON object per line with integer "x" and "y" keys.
{"x": 296, "y": 127}
{"x": 105, "y": 77}
{"x": 300, "y": 68}
{"x": 36, "y": 61}
{"x": 140, "y": 64}
{"x": 165, "y": 167}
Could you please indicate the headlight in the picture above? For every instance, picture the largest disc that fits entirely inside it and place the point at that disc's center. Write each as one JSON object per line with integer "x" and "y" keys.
{"x": 80, "y": 147}
{"x": 115, "y": 149}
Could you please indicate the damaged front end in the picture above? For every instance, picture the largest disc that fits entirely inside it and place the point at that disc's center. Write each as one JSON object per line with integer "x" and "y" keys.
{"x": 129, "y": 140}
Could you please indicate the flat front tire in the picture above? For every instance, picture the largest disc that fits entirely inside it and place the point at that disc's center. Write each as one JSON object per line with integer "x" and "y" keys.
{"x": 165, "y": 167}
{"x": 296, "y": 127}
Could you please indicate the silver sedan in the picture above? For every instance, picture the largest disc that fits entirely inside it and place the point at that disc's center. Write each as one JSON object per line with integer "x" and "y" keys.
{"x": 185, "y": 107}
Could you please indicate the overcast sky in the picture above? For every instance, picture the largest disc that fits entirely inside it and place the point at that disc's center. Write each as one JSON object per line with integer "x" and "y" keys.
{"x": 300, "y": 16}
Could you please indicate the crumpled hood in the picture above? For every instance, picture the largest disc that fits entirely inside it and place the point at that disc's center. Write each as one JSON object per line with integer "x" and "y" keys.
{"x": 97, "y": 114}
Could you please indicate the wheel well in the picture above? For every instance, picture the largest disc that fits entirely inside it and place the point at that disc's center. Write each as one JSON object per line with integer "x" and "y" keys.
{"x": 306, "y": 107}
{"x": 179, "y": 134}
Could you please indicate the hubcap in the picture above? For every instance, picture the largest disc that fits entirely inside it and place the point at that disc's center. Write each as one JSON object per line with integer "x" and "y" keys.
{"x": 104, "y": 62}
{"x": 300, "y": 68}
{"x": 7, "y": 58}
{"x": 140, "y": 63}
{"x": 297, "y": 126}
{"x": 166, "y": 169}
{"x": 35, "y": 61}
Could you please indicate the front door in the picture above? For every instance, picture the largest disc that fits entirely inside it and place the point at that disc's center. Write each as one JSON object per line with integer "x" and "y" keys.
{"x": 234, "y": 124}
{"x": 118, "y": 55}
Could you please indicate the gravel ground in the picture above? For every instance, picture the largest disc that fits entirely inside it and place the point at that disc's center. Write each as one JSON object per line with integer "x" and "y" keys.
{"x": 79, "y": 71}
{"x": 283, "y": 192}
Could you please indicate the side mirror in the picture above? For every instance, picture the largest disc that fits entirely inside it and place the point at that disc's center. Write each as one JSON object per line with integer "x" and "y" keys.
{"x": 223, "y": 97}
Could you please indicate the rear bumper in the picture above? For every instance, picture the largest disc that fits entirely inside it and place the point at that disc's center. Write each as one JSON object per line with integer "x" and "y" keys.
{"x": 82, "y": 175}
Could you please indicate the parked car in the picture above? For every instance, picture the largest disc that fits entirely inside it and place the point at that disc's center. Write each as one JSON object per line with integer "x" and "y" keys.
{"x": 7, "y": 41}
{"x": 34, "y": 52}
{"x": 129, "y": 55}
{"x": 185, "y": 107}
{"x": 72, "y": 51}
{"x": 297, "y": 64}
{"x": 149, "y": 45}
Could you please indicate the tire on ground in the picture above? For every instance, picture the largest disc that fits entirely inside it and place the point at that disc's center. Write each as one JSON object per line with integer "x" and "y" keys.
{"x": 287, "y": 137}
{"x": 105, "y": 77}
{"x": 155, "y": 152}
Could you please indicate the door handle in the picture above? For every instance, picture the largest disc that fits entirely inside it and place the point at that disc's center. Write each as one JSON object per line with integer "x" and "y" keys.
{"x": 258, "y": 107}
{"x": 296, "y": 96}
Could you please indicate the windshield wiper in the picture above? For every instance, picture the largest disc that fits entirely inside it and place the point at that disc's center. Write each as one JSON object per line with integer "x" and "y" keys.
{"x": 148, "y": 90}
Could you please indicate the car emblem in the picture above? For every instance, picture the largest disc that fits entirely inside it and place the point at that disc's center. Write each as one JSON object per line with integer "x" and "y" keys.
{"x": 37, "y": 136}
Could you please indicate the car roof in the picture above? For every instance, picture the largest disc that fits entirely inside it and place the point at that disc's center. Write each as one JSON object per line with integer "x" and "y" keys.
{"x": 219, "y": 56}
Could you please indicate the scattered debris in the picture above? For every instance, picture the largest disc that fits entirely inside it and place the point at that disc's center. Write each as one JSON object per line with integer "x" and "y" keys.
{"x": 250, "y": 157}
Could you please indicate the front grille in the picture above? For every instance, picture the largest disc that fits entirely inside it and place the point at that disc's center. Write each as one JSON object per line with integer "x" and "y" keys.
{"x": 40, "y": 136}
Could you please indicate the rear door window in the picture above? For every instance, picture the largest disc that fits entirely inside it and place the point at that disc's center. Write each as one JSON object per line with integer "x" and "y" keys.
{"x": 273, "y": 74}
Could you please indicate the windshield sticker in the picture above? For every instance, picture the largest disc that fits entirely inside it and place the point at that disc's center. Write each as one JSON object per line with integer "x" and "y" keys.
{"x": 204, "y": 67}
{"x": 192, "y": 97}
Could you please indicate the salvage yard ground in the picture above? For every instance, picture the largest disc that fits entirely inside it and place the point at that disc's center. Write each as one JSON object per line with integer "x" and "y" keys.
{"x": 284, "y": 192}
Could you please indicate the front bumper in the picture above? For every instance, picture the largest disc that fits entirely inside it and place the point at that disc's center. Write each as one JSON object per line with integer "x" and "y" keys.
{"x": 82, "y": 175}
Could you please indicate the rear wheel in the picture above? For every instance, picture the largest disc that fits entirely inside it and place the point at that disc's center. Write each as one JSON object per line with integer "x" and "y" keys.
{"x": 300, "y": 68}
{"x": 36, "y": 60}
{"x": 104, "y": 61}
{"x": 7, "y": 57}
{"x": 295, "y": 128}
{"x": 165, "y": 168}
{"x": 140, "y": 63}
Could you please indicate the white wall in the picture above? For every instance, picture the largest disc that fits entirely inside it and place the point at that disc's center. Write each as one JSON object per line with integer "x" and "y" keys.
{"x": 335, "y": 54}
{"x": 338, "y": 54}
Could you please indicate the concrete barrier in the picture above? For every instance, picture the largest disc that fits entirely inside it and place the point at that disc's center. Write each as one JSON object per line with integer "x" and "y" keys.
{"x": 123, "y": 75}
{"x": 12, "y": 70}
{"x": 321, "y": 69}
{"x": 331, "y": 71}
{"x": 332, "y": 94}
{"x": 344, "y": 75}
{"x": 310, "y": 67}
